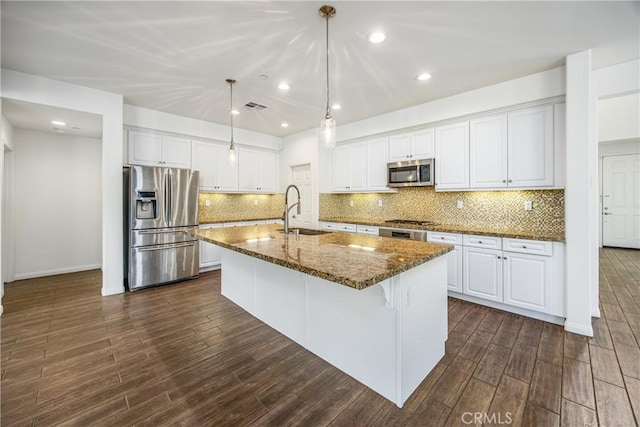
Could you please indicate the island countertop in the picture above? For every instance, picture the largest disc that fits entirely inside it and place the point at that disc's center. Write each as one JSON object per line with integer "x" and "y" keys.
{"x": 353, "y": 260}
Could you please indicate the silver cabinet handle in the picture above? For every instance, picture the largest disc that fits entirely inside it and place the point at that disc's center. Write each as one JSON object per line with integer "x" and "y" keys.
{"x": 524, "y": 246}
{"x": 607, "y": 213}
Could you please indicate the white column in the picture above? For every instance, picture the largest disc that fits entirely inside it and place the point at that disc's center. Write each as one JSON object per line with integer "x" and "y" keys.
{"x": 580, "y": 196}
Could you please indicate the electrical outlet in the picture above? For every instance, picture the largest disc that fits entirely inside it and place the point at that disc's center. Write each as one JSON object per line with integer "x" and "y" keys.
{"x": 460, "y": 204}
{"x": 207, "y": 203}
{"x": 351, "y": 203}
{"x": 255, "y": 203}
{"x": 380, "y": 202}
{"x": 528, "y": 205}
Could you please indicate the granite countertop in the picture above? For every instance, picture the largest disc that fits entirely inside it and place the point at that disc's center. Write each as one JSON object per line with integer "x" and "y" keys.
{"x": 353, "y": 260}
{"x": 222, "y": 221}
{"x": 514, "y": 233}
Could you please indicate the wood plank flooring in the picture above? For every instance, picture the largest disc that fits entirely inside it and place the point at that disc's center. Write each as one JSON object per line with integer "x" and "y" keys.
{"x": 185, "y": 355}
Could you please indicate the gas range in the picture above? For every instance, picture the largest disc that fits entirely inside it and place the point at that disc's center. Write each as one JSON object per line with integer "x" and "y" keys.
{"x": 409, "y": 221}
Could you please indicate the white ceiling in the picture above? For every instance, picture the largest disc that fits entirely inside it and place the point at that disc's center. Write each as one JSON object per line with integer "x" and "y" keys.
{"x": 174, "y": 56}
{"x": 26, "y": 115}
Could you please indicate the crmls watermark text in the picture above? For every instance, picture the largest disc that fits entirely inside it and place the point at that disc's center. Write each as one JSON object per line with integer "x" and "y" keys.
{"x": 484, "y": 418}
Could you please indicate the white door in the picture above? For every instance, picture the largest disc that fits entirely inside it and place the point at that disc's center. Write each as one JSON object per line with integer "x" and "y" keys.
{"x": 301, "y": 177}
{"x": 621, "y": 201}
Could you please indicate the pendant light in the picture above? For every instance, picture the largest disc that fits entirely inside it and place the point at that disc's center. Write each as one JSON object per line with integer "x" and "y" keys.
{"x": 232, "y": 147}
{"x": 328, "y": 124}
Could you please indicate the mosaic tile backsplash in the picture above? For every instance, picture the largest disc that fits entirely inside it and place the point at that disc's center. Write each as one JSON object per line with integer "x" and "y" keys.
{"x": 238, "y": 207}
{"x": 495, "y": 209}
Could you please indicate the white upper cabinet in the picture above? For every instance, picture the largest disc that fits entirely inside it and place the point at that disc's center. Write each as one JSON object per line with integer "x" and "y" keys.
{"x": 412, "y": 146}
{"x": 531, "y": 147}
{"x": 488, "y": 152}
{"x": 349, "y": 167}
{"x": 159, "y": 150}
{"x": 452, "y": 156}
{"x": 377, "y": 159}
{"x": 257, "y": 170}
{"x": 217, "y": 173}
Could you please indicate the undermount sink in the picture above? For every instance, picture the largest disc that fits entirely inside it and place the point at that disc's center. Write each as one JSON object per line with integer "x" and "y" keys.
{"x": 305, "y": 231}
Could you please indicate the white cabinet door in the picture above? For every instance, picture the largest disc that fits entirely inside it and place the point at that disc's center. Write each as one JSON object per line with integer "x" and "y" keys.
{"x": 531, "y": 147}
{"x": 176, "y": 152}
{"x": 412, "y": 146}
{"x": 203, "y": 159}
{"x": 400, "y": 148}
{"x": 145, "y": 149}
{"x": 423, "y": 144}
{"x": 454, "y": 269}
{"x": 452, "y": 156}
{"x": 488, "y": 152}
{"x": 247, "y": 169}
{"x": 358, "y": 166}
{"x": 266, "y": 172}
{"x": 349, "y": 167}
{"x": 483, "y": 273}
{"x": 226, "y": 170}
{"x": 209, "y": 253}
{"x": 159, "y": 150}
{"x": 377, "y": 159}
{"x": 527, "y": 279}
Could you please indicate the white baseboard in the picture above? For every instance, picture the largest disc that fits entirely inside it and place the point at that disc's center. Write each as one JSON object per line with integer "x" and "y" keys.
{"x": 577, "y": 328}
{"x": 65, "y": 270}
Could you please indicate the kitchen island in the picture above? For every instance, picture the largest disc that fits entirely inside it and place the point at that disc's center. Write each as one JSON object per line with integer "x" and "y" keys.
{"x": 374, "y": 307}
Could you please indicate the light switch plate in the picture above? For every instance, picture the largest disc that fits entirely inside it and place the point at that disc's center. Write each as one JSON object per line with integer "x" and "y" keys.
{"x": 460, "y": 204}
{"x": 351, "y": 203}
{"x": 207, "y": 203}
{"x": 528, "y": 205}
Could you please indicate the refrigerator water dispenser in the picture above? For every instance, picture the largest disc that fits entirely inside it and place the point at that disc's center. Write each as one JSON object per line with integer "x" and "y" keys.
{"x": 146, "y": 207}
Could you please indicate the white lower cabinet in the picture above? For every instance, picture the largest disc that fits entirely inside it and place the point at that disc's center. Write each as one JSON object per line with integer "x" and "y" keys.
{"x": 483, "y": 273}
{"x": 209, "y": 253}
{"x": 527, "y": 274}
{"x": 367, "y": 229}
{"x": 525, "y": 280}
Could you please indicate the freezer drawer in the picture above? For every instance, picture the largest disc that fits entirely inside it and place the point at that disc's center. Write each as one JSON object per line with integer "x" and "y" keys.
{"x": 162, "y": 236}
{"x": 154, "y": 265}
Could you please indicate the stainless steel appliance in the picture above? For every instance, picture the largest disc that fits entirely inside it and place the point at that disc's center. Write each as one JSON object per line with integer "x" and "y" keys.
{"x": 413, "y": 173}
{"x": 161, "y": 218}
{"x": 401, "y": 233}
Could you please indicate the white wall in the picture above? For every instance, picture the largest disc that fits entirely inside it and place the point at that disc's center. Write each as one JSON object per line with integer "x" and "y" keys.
{"x": 40, "y": 90}
{"x": 619, "y": 118}
{"x": 6, "y": 199}
{"x": 58, "y": 206}
{"x": 158, "y": 120}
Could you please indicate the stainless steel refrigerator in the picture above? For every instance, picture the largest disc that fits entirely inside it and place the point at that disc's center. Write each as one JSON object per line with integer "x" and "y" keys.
{"x": 161, "y": 217}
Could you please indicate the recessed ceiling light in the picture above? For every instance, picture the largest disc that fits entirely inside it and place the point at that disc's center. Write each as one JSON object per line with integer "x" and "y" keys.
{"x": 284, "y": 86}
{"x": 263, "y": 77}
{"x": 376, "y": 37}
{"x": 59, "y": 130}
{"x": 235, "y": 112}
{"x": 423, "y": 76}
{"x": 58, "y": 123}
{"x": 336, "y": 107}
{"x": 284, "y": 125}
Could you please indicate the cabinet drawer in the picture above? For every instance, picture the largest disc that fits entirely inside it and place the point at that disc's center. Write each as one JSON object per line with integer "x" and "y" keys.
{"x": 367, "y": 229}
{"x": 488, "y": 242}
{"x": 338, "y": 226}
{"x": 438, "y": 237}
{"x": 534, "y": 247}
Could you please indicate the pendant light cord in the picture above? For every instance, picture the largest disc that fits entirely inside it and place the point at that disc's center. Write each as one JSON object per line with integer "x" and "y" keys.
{"x": 326, "y": 17}
{"x": 231, "y": 108}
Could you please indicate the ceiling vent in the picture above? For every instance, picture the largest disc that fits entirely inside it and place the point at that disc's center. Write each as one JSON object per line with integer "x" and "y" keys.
{"x": 255, "y": 106}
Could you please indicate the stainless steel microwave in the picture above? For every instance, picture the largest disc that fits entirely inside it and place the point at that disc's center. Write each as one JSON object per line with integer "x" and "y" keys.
{"x": 413, "y": 173}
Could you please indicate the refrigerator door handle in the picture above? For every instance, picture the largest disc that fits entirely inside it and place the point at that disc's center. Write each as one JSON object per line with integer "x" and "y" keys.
{"x": 163, "y": 247}
{"x": 170, "y": 200}
{"x": 165, "y": 230}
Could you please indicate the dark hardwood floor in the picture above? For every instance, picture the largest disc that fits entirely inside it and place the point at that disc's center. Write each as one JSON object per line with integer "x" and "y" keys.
{"x": 185, "y": 355}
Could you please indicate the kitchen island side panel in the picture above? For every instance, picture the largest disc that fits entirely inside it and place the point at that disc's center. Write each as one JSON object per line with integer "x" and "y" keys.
{"x": 388, "y": 336}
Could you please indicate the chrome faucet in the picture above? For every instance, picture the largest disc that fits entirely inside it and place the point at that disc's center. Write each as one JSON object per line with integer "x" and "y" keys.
{"x": 287, "y": 208}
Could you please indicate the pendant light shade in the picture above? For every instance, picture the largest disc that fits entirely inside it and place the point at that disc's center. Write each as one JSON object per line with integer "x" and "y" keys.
{"x": 328, "y": 124}
{"x": 233, "y": 152}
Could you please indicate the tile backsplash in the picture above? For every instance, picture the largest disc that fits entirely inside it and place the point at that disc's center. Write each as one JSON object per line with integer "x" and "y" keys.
{"x": 496, "y": 209}
{"x": 238, "y": 207}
